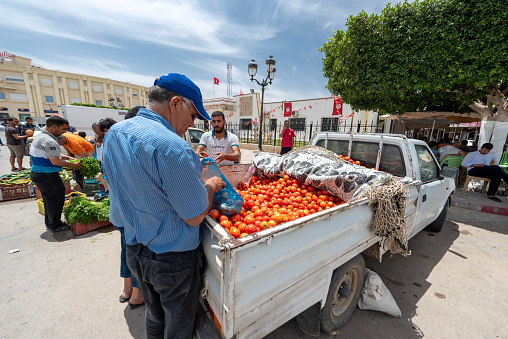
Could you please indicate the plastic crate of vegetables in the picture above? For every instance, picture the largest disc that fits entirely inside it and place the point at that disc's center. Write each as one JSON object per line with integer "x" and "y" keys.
{"x": 15, "y": 186}
{"x": 86, "y": 215}
{"x": 15, "y": 192}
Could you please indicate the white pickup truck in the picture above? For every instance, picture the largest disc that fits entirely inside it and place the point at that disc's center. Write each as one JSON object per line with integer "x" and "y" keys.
{"x": 312, "y": 267}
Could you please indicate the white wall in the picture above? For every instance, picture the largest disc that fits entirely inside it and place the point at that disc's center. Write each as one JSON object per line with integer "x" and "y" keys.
{"x": 312, "y": 110}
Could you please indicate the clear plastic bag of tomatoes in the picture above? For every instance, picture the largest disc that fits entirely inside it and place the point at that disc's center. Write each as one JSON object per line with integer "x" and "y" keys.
{"x": 227, "y": 201}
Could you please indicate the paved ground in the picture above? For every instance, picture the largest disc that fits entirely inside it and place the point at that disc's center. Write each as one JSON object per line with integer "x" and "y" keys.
{"x": 66, "y": 286}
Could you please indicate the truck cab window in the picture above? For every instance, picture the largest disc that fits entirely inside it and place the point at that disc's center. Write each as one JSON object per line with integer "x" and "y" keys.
{"x": 391, "y": 157}
{"x": 429, "y": 169}
{"x": 339, "y": 147}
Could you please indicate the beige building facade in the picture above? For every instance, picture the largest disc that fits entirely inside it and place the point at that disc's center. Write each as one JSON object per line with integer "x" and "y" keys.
{"x": 30, "y": 90}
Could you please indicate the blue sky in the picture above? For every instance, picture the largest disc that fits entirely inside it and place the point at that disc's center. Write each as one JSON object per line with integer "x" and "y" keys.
{"x": 136, "y": 41}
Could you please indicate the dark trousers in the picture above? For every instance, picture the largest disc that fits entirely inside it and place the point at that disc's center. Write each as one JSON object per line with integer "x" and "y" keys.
{"x": 53, "y": 195}
{"x": 284, "y": 150}
{"x": 494, "y": 173}
{"x": 169, "y": 283}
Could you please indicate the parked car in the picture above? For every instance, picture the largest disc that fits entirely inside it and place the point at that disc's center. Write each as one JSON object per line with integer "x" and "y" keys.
{"x": 192, "y": 136}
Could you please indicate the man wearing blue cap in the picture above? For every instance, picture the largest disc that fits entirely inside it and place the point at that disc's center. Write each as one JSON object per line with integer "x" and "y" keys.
{"x": 156, "y": 192}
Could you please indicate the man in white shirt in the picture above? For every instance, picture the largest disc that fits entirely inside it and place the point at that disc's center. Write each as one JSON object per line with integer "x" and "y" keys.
{"x": 222, "y": 146}
{"x": 482, "y": 164}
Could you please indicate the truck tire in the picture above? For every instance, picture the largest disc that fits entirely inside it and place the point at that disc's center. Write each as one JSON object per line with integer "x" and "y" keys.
{"x": 438, "y": 224}
{"x": 345, "y": 290}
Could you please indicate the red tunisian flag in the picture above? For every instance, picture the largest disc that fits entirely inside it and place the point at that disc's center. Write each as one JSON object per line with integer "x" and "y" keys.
{"x": 337, "y": 106}
{"x": 287, "y": 109}
{"x": 215, "y": 81}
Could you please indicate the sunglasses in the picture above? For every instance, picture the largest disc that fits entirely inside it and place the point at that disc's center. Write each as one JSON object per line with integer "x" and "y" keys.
{"x": 194, "y": 115}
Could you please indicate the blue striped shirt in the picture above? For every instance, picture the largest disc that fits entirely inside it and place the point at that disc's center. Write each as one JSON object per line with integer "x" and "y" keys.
{"x": 154, "y": 178}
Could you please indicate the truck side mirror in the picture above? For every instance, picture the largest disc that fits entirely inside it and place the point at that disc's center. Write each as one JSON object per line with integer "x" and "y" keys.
{"x": 449, "y": 172}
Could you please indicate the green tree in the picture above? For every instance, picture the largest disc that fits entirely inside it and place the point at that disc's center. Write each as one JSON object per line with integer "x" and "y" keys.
{"x": 447, "y": 55}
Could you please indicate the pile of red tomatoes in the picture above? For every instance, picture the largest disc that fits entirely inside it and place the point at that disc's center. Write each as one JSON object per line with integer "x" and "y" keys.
{"x": 269, "y": 202}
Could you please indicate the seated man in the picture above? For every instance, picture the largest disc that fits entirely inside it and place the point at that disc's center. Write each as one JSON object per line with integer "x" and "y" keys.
{"x": 75, "y": 145}
{"x": 482, "y": 164}
{"x": 464, "y": 147}
{"x": 448, "y": 149}
{"x": 223, "y": 147}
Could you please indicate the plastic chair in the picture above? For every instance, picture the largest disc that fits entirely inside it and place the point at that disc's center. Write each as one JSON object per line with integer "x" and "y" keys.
{"x": 452, "y": 161}
{"x": 503, "y": 163}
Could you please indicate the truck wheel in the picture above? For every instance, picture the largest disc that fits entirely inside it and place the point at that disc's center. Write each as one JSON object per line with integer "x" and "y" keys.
{"x": 345, "y": 291}
{"x": 438, "y": 224}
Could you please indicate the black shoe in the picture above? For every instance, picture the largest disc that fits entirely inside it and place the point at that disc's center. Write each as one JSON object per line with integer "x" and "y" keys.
{"x": 63, "y": 227}
{"x": 134, "y": 306}
{"x": 122, "y": 299}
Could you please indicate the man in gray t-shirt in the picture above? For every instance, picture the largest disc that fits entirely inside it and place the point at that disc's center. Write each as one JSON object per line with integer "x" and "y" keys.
{"x": 15, "y": 144}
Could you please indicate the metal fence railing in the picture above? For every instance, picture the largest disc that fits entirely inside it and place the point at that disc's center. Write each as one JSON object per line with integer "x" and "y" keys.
{"x": 248, "y": 132}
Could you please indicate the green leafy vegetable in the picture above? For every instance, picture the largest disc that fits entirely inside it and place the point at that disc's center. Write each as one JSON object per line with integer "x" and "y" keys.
{"x": 86, "y": 211}
{"x": 90, "y": 167}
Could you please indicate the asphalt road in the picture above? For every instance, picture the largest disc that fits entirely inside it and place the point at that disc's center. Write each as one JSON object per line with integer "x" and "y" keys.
{"x": 453, "y": 285}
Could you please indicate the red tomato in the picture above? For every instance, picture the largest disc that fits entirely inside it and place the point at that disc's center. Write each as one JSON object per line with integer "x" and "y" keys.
{"x": 235, "y": 232}
{"x": 251, "y": 229}
{"x": 264, "y": 225}
{"x": 214, "y": 213}
{"x": 243, "y": 234}
{"x": 235, "y": 218}
{"x": 226, "y": 224}
{"x": 249, "y": 219}
{"x": 272, "y": 223}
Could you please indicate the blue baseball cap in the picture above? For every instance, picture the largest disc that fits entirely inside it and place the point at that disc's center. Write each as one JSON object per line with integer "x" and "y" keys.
{"x": 184, "y": 86}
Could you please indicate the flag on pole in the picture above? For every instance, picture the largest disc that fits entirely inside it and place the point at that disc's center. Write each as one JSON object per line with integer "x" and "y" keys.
{"x": 287, "y": 109}
{"x": 337, "y": 106}
{"x": 215, "y": 81}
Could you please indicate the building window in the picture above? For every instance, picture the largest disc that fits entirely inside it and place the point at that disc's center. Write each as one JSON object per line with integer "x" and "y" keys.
{"x": 134, "y": 94}
{"x": 297, "y": 124}
{"x": 245, "y": 124}
{"x": 85, "y": 83}
{"x": 329, "y": 124}
{"x": 18, "y": 96}
{"x": 98, "y": 102}
{"x": 107, "y": 86}
{"x": 46, "y": 82}
{"x": 49, "y": 98}
{"x": 97, "y": 88}
{"x": 16, "y": 78}
{"x": 59, "y": 80}
{"x": 73, "y": 84}
{"x": 30, "y": 76}
{"x": 118, "y": 90}
{"x": 2, "y": 96}
{"x": 75, "y": 100}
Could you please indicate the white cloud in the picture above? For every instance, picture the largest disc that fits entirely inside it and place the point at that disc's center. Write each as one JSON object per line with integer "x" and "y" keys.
{"x": 180, "y": 24}
{"x": 294, "y": 68}
{"x": 103, "y": 68}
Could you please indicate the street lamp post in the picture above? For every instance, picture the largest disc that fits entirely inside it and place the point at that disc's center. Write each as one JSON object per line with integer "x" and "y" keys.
{"x": 270, "y": 68}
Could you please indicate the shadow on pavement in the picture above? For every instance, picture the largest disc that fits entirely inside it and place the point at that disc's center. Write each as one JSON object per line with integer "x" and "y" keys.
{"x": 406, "y": 278}
{"x": 136, "y": 321}
{"x": 487, "y": 221}
{"x": 69, "y": 235}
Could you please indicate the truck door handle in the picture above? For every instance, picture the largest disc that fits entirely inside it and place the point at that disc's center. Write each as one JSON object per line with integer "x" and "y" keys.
{"x": 424, "y": 198}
